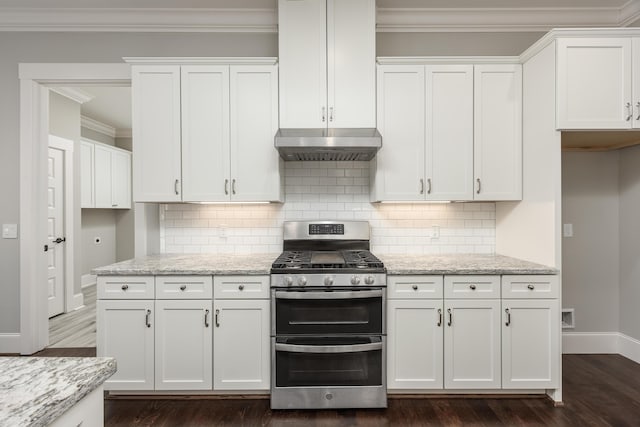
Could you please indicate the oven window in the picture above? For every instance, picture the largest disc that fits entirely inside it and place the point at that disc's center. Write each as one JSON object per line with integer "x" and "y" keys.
{"x": 328, "y": 316}
{"x": 300, "y": 366}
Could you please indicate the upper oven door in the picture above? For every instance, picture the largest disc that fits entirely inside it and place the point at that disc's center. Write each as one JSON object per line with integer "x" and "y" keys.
{"x": 321, "y": 311}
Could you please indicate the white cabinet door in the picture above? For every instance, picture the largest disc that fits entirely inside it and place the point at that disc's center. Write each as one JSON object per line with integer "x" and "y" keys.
{"x": 498, "y": 132}
{"x": 351, "y": 63}
{"x": 302, "y": 51}
{"x": 449, "y": 132}
{"x": 205, "y": 133}
{"x": 241, "y": 345}
{"x": 255, "y": 163}
{"x": 636, "y": 81}
{"x": 594, "y": 83}
{"x": 120, "y": 179}
{"x": 102, "y": 168}
{"x": 530, "y": 350}
{"x": 125, "y": 331}
{"x": 156, "y": 132}
{"x": 399, "y": 173}
{"x": 183, "y": 345}
{"x": 415, "y": 348}
{"x": 472, "y": 344}
{"x": 86, "y": 175}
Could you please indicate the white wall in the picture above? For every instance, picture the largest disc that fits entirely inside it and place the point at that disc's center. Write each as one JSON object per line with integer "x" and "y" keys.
{"x": 98, "y": 223}
{"x": 590, "y": 259}
{"x": 328, "y": 190}
{"x": 630, "y": 242}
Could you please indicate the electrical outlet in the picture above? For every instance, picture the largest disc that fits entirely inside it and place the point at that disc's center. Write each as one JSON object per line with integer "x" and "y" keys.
{"x": 435, "y": 232}
{"x": 223, "y": 231}
{"x": 567, "y": 230}
{"x": 9, "y": 231}
{"x": 97, "y": 240}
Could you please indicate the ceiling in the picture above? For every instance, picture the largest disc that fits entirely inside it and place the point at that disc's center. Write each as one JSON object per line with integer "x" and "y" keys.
{"x": 110, "y": 105}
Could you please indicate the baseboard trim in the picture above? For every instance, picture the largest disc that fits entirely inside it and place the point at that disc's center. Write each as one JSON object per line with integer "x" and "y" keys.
{"x": 10, "y": 343}
{"x": 601, "y": 343}
{"x": 88, "y": 280}
{"x": 629, "y": 347}
{"x": 78, "y": 301}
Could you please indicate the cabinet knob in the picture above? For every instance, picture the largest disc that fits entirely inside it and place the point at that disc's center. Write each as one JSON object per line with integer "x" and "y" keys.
{"x": 531, "y": 287}
{"x": 414, "y": 287}
{"x": 241, "y": 287}
{"x": 183, "y": 287}
{"x": 125, "y": 287}
{"x": 472, "y": 287}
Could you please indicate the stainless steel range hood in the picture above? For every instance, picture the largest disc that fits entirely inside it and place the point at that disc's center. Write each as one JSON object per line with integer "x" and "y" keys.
{"x": 328, "y": 144}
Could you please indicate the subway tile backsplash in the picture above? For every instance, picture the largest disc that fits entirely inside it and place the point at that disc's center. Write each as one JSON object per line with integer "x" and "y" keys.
{"x": 328, "y": 191}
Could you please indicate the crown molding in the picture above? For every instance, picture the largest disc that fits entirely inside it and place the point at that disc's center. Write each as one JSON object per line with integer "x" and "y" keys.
{"x": 139, "y": 20}
{"x": 97, "y": 126}
{"x": 447, "y": 60}
{"x": 124, "y": 133}
{"x": 77, "y": 95}
{"x": 629, "y": 13}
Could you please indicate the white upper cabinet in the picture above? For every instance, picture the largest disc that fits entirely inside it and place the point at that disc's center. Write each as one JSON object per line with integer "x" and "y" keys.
{"x": 156, "y": 133}
{"x": 105, "y": 176}
{"x": 498, "y": 132}
{"x": 87, "y": 151}
{"x": 327, "y": 63}
{"x": 120, "y": 179}
{"x": 594, "y": 83}
{"x": 205, "y": 133}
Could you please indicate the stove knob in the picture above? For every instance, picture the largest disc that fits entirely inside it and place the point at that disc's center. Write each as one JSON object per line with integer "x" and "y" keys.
{"x": 355, "y": 280}
{"x": 302, "y": 281}
{"x": 288, "y": 280}
{"x": 369, "y": 280}
{"x": 328, "y": 281}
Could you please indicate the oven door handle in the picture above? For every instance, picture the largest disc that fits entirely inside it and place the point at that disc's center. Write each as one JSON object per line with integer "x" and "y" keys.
{"x": 355, "y": 348}
{"x": 377, "y": 293}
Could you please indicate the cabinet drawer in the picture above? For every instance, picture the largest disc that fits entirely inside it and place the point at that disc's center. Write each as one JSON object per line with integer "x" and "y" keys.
{"x": 184, "y": 287}
{"x": 419, "y": 287}
{"x": 534, "y": 286}
{"x": 470, "y": 287}
{"x": 126, "y": 287}
{"x": 234, "y": 287}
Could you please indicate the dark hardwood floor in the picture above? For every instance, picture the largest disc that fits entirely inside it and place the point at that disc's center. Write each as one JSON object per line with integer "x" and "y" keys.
{"x": 599, "y": 390}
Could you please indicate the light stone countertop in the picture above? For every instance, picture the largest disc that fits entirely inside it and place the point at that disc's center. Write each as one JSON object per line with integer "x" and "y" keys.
{"x": 460, "y": 264}
{"x": 35, "y": 391}
{"x": 194, "y": 264}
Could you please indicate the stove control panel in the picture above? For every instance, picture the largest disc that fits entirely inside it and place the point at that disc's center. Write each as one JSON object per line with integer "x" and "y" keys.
{"x": 322, "y": 229}
{"x": 328, "y": 280}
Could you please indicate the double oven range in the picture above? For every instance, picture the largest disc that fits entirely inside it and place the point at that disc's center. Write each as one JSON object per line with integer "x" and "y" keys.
{"x": 328, "y": 325}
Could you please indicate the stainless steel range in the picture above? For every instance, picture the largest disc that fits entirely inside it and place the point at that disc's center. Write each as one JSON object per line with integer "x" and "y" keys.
{"x": 328, "y": 319}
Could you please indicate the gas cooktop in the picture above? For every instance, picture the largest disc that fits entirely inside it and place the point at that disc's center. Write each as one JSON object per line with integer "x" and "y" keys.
{"x": 322, "y": 261}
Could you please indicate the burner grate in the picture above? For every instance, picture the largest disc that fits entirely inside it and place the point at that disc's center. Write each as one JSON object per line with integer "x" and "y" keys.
{"x": 353, "y": 259}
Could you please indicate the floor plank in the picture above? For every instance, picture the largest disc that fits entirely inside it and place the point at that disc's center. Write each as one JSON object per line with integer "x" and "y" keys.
{"x": 76, "y": 328}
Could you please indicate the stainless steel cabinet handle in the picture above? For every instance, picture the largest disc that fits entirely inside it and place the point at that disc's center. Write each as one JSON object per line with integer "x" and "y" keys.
{"x": 206, "y": 318}
{"x": 428, "y": 185}
{"x": 241, "y": 287}
{"x": 439, "y": 317}
{"x": 329, "y": 295}
{"x": 354, "y": 348}
{"x": 147, "y": 319}
{"x": 450, "y": 317}
{"x": 531, "y": 287}
{"x": 217, "y": 318}
{"x": 479, "y": 186}
{"x": 324, "y": 117}
{"x": 183, "y": 287}
{"x": 638, "y": 107}
{"x": 472, "y": 287}
{"x": 233, "y": 186}
{"x": 175, "y": 186}
{"x": 114, "y": 206}
{"x": 226, "y": 186}
{"x": 125, "y": 287}
{"x": 421, "y": 186}
{"x": 330, "y": 114}
{"x": 414, "y": 287}
{"x": 506, "y": 310}
{"x": 629, "y": 111}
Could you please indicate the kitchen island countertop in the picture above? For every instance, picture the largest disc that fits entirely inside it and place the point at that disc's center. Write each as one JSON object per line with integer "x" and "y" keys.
{"x": 35, "y": 391}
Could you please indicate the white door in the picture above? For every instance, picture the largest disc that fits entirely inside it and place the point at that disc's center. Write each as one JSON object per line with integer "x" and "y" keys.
{"x": 636, "y": 81}
{"x": 125, "y": 332}
{"x": 302, "y": 57}
{"x": 400, "y": 161}
{"x": 241, "y": 345}
{"x": 255, "y": 163}
{"x": 351, "y": 63}
{"x": 530, "y": 331}
{"x": 449, "y": 132}
{"x": 472, "y": 344}
{"x": 155, "y": 93}
{"x": 498, "y": 132}
{"x": 55, "y": 229}
{"x": 183, "y": 345}
{"x": 415, "y": 349}
{"x": 594, "y": 83}
{"x": 205, "y": 133}
{"x": 102, "y": 168}
{"x": 120, "y": 179}
{"x": 86, "y": 175}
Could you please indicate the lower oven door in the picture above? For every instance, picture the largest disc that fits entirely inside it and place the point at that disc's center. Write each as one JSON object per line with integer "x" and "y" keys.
{"x": 321, "y": 311}
{"x": 328, "y": 372}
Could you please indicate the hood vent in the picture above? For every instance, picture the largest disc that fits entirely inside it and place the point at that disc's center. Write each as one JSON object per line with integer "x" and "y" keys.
{"x": 328, "y": 144}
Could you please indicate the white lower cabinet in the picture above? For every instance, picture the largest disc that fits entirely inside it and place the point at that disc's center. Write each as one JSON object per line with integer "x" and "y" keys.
{"x": 125, "y": 331}
{"x": 183, "y": 347}
{"x": 472, "y": 344}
